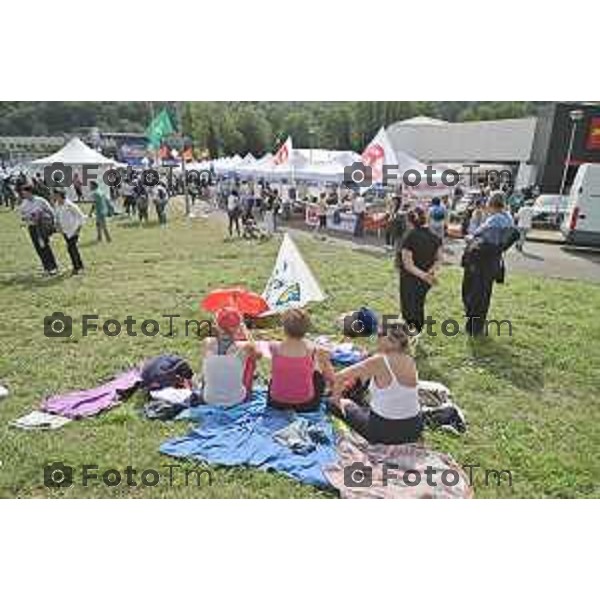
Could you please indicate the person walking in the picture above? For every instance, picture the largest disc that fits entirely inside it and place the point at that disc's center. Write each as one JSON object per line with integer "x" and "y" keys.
{"x": 38, "y": 215}
{"x": 420, "y": 253}
{"x": 100, "y": 208}
{"x": 69, "y": 220}
{"x": 524, "y": 220}
{"x": 437, "y": 218}
{"x": 359, "y": 209}
{"x": 233, "y": 212}
{"x": 483, "y": 264}
{"x": 160, "y": 198}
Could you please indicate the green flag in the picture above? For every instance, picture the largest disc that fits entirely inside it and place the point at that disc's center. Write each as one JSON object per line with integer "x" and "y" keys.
{"x": 160, "y": 128}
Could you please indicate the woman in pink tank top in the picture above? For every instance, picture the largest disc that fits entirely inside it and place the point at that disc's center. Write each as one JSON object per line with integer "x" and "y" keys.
{"x": 299, "y": 368}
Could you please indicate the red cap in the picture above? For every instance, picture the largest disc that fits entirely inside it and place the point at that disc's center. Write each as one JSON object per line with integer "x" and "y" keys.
{"x": 228, "y": 319}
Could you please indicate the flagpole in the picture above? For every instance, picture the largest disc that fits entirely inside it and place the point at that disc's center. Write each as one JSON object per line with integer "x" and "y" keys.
{"x": 183, "y": 169}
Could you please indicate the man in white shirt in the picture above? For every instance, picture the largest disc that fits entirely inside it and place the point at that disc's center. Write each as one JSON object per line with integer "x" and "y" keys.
{"x": 524, "y": 217}
{"x": 69, "y": 220}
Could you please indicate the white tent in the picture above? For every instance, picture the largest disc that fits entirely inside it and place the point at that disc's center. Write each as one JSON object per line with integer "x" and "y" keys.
{"x": 76, "y": 153}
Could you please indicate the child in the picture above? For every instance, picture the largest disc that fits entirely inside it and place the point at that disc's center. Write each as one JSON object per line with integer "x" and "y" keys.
{"x": 229, "y": 362}
{"x": 394, "y": 414}
{"x": 70, "y": 221}
{"x": 299, "y": 368}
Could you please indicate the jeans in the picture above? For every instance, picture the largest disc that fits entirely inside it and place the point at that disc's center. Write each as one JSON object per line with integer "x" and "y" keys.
{"x": 41, "y": 243}
{"x": 73, "y": 251}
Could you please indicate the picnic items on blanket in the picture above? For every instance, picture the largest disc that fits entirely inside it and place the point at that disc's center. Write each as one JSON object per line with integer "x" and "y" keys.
{"x": 301, "y": 436}
{"x": 87, "y": 403}
{"x": 166, "y": 370}
{"x": 243, "y": 435}
{"x": 38, "y": 419}
{"x": 438, "y": 408}
{"x": 246, "y": 302}
{"x": 394, "y": 471}
{"x": 344, "y": 354}
{"x": 167, "y": 403}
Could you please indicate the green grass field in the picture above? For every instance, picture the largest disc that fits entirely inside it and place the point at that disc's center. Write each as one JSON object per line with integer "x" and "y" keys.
{"x": 531, "y": 399}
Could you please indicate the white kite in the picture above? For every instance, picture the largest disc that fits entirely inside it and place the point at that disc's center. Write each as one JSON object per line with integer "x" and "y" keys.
{"x": 292, "y": 283}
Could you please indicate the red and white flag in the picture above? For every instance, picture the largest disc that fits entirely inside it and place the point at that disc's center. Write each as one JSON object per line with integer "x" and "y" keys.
{"x": 284, "y": 153}
{"x": 378, "y": 153}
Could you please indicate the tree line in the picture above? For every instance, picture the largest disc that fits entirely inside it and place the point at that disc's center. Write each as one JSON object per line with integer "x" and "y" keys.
{"x": 241, "y": 127}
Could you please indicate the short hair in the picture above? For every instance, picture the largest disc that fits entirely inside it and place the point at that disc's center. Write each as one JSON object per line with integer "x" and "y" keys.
{"x": 59, "y": 192}
{"x": 295, "y": 322}
{"x": 496, "y": 200}
{"x": 27, "y": 188}
{"x": 93, "y": 185}
{"x": 417, "y": 217}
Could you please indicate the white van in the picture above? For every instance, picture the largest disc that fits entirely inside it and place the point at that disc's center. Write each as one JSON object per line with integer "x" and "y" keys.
{"x": 581, "y": 225}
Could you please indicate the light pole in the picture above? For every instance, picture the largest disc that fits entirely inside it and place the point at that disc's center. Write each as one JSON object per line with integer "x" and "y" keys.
{"x": 575, "y": 116}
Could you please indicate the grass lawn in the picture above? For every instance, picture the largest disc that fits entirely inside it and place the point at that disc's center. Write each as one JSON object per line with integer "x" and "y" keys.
{"x": 531, "y": 399}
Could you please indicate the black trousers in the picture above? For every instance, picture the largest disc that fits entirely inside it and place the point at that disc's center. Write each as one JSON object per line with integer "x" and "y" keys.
{"x": 413, "y": 292}
{"x": 312, "y": 404}
{"x": 73, "y": 251}
{"x": 359, "y": 228}
{"x": 477, "y": 285}
{"x": 41, "y": 243}
{"x": 378, "y": 430}
{"x": 234, "y": 220}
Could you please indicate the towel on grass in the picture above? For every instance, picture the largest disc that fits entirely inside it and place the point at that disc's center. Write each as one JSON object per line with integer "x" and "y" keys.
{"x": 359, "y": 471}
{"x": 37, "y": 419}
{"x": 87, "y": 403}
{"x": 243, "y": 435}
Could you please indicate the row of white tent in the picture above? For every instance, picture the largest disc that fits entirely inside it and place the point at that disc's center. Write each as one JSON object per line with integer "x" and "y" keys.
{"x": 303, "y": 164}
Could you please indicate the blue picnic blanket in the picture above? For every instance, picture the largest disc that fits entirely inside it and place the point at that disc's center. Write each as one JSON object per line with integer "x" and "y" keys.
{"x": 243, "y": 435}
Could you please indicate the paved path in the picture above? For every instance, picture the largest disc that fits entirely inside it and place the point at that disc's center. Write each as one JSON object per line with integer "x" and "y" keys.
{"x": 543, "y": 259}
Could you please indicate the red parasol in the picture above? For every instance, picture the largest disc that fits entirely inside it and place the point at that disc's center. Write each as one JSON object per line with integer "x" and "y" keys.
{"x": 247, "y": 303}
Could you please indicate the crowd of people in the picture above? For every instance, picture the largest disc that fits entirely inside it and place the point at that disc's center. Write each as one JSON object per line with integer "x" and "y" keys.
{"x": 46, "y": 210}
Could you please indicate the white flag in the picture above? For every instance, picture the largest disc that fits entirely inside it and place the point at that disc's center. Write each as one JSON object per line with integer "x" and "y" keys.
{"x": 292, "y": 283}
{"x": 378, "y": 153}
{"x": 283, "y": 155}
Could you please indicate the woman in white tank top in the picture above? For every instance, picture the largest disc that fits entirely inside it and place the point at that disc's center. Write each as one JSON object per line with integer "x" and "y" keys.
{"x": 393, "y": 415}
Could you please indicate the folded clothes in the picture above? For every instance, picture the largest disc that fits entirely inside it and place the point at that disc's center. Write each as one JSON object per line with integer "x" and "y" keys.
{"x": 439, "y": 409}
{"x": 172, "y": 395}
{"x": 244, "y": 435}
{"x": 87, "y": 403}
{"x": 38, "y": 419}
{"x": 301, "y": 436}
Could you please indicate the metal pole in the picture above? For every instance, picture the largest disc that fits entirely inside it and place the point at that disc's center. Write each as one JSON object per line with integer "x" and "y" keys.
{"x": 568, "y": 159}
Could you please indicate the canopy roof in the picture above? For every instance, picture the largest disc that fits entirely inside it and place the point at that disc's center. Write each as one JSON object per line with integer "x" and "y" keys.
{"x": 76, "y": 153}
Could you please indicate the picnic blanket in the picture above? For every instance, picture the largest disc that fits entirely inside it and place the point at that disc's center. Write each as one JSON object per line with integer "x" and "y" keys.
{"x": 87, "y": 403}
{"x": 360, "y": 472}
{"x": 246, "y": 435}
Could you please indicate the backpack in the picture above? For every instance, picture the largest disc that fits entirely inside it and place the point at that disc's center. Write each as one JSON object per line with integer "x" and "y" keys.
{"x": 165, "y": 370}
{"x": 438, "y": 213}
